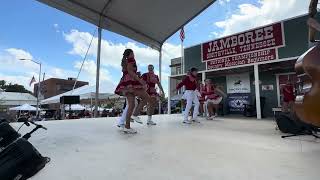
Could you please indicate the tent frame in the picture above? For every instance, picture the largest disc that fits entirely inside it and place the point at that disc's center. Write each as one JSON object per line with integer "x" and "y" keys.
{"x": 153, "y": 43}
{"x": 96, "y": 102}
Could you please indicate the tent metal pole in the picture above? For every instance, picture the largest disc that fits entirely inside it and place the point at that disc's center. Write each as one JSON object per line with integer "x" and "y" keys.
{"x": 169, "y": 95}
{"x": 257, "y": 90}
{"x": 96, "y": 103}
{"x": 182, "y": 58}
{"x": 203, "y": 77}
{"x": 160, "y": 70}
{"x": 38, "y": 93}
{"x": 91, "y": 102}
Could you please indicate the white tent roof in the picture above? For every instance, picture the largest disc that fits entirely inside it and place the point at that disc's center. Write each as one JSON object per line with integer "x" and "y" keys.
{"x": 99, "y": 109}
{"x": 75, "y": 107}
{"x": 147, "y": 21}
{"x": 177, "y": 97}
{"x": 85, "y": 92}
{"x": 25, "y": 107}
{"x": 15, "y": 99}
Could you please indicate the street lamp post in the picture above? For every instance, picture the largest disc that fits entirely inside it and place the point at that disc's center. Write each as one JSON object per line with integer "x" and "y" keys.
{"x": 38, "y": 92}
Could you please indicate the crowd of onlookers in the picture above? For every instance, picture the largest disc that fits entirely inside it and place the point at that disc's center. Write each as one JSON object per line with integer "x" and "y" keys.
{"x": 57, "y": 115}
{"x": 50, "y": 114}
{"x": 88, "y": 114}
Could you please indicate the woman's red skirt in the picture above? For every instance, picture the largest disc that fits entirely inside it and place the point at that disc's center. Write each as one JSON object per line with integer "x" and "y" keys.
{"x": 152, "y": 92}
{"x": 127, "y": 84}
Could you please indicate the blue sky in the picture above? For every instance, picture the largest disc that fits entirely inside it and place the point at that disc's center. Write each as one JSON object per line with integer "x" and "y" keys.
{"x": 31, "y": 29}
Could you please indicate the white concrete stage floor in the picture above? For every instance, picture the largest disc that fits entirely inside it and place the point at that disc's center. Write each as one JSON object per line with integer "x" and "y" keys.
{"x": 223, "y": 149}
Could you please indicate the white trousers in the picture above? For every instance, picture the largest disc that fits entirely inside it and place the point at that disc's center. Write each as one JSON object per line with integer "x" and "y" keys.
{"x": 205, "y": 109}
{"x": 191, "y": 97}
{"x": 123, "y": 117}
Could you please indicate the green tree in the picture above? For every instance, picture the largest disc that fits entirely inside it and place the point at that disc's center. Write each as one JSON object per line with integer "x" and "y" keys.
{"x": 13, "y": 87}
{"x": 2, "y": 83}
{"x": 110, "y": 104}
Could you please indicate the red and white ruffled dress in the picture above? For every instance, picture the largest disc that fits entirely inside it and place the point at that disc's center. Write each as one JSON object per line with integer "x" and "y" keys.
{"x": 210, "y": 95}
{"x": 151, "y": 79}
{"x": 201, "y": 89}
{"x": 127, "y": 83}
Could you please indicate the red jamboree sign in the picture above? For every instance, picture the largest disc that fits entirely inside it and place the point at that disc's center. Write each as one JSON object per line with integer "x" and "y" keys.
{"x": 267, "y": 37}
{"x": 248, "y": 58}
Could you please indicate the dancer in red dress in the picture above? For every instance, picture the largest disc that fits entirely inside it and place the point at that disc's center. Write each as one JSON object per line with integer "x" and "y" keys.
{"x": 288, "y": 96}
{"x": 130, "y": 86}
{"x": 212, "y": 98}
{"x": 152, "y": 80}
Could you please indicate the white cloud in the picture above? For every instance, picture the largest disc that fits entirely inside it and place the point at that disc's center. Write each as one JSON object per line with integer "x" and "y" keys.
{"x": 21, "y": 72}
{"x": 56, "y": 27}
{"x": 214, "y": 35}
{"x": 19, "y": 53}
{"x": 17, "y": 79}
{"x": 89, "y": 67}
{"x": 111, "y": 55}
{"x": 14, "y": 70}
{"x": 223, "y": 2}
{"x": 89, "y": 72}
{"x": 9, "y": 59}
{"x": 249, "y": 16}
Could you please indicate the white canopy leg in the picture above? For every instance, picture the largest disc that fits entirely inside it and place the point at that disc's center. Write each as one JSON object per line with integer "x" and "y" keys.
{"x": 203, "y": 77}
{"x": 257, "y": 90}
{"x": 160, "y": 63}
{"x": 169, "y": 95}
{"x": 96, "y": 103}
{"x": 182, "y": 58}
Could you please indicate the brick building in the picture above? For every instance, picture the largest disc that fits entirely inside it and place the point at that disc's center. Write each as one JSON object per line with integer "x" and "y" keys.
{"x": 54, "y": 86}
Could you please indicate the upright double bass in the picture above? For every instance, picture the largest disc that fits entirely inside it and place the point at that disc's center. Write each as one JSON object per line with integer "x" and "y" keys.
{"x": 307, "y": 103}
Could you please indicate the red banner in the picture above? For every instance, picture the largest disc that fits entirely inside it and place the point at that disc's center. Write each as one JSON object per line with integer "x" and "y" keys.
{"x": 248, "y": 58}
{"x": 267, "y": 37}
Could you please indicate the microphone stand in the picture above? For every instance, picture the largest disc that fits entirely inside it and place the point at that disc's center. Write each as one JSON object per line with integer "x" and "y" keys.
{"x": 38, "y": 126}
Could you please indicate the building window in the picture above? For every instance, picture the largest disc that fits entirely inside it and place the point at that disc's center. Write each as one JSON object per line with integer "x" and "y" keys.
{"x": 58, "y": 86}
{"x": 178, "y": 70}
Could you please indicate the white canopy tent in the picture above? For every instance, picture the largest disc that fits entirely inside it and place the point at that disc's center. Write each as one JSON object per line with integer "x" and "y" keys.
{"x": 100, "y": 109}
{"x": 177, "y": 97}
{"x": 24, "y": 107}
{"x": 85, "y": 92}
{"x": 75, "y": 107}
{"x": 16, "y": 99}
{"x": 148, "y": 22}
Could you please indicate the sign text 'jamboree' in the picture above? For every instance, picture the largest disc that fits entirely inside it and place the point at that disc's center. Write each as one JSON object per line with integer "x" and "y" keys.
{"x": 245, "y": 48}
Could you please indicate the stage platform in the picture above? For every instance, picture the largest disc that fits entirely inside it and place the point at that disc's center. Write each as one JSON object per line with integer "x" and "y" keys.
{"x": 222, "y": 149}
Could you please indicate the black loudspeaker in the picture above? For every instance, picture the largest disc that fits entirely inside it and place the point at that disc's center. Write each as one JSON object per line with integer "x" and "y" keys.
{"x": 7, "y": 135}
{"x": 70, "y": 100}
{"x": 287, "y": 124}
{"x": 20, "y": 161}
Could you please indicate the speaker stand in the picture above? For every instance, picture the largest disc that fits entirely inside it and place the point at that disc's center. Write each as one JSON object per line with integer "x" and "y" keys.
{"x": 304, "y": 133}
